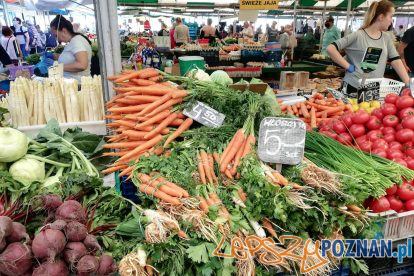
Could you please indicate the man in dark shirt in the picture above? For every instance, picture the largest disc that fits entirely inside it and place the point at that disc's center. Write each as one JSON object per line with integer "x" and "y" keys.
{"x": 406, "y": 50}
{"x": 4, "y": 57}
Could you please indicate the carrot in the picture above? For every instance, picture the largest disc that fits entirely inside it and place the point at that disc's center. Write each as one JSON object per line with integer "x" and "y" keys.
{"x": 229, "y": 146}
{"x": 149, "y": 73}
{"x": 158, "y": 151}
{"x": 268, "y": 226}
{"x": 251, "y": 141}
{"x": 224, "y": 213}
{"x": 206, "y": 166}
{"x": 333, "y": 110}
{"x": 353, "y": 208}
{"x": 242, "y": 194}
{"x": 181, "y": 116}
{"x": 211, "y": 165}
{"x": 215, "y": 198}
{"x": 126, "y": 101}
{"x": 283, "y": 107}
{"x": 156, "y": 118}
{"x": 216, "y": 157}
{"x": 295, "y": 109}
{"x": 156, "y": 103}
{"x": 176, "y": 122}
{"x": 126, "y": 171}
{"x": 113, "y": 117}
{"x": 173, "y": 185}
{"x": 210, "y": 202}
{"x": 280, "y": 178}
{"x": 142, "y": 98}
{"x": 237, "y": 157}
{"x": 228, "y": 174}
{"x": 203, "y": 204}
{"x": 114, "y": 169}
{"x": 149, "y": 190}
{"x": 182, "y": 235}
{"x": 142, "y": 82}
{"x": 238, "y": 142}
{"x": 115, "y": 153}
{"x": 148, "y": 144}
{"x": 156, "y": 79}
{"x": 128, "y": 76}
{"x": 165, "y": 106}
{"x": 127, "y": 109}
{"x": 201, "y": 169}
{"x": 135, "y": 134}
{"x": 161, "y": 126}
{"x": 113, "y": 77}
{"x": 158, "y": 184}
{"x": 324, "y": 115}
{"x": 150, "y": 270}
{"x": 289, "y": 109}
{"x": 155, "y": 90}
{"x": 179, "y": 94}
{"x": 131, "y": 144}
{"x": 304, "y": 110}
{"x": 186, "y": 125}
{"x": 313, "y": 118}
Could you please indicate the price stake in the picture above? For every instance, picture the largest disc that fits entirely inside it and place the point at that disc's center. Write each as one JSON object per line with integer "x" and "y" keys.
{"x": 369, "y": 92}
{"x": 56, "y": 71}
{"x": 204, "y": 114}
{"x": 338, "y": 95}
{"x": 281, "y": 140}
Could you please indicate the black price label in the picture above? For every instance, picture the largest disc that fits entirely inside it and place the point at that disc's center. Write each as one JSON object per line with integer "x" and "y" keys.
{"x": 281, "y": 140}
{"x": 338, "y": 95}
{"x": 204, "y": 114}
{"x": 369, "y": 92}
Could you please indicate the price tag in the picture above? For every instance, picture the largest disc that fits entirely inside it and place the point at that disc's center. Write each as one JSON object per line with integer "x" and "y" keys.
{"x": 338, "y": 95}
{"x": 281, "y": 140}
{"x": 369, "y": 92}
{"x": 56, "y": 70}
{"x": 371, "y": 59}
{"x": 204, "y": 114}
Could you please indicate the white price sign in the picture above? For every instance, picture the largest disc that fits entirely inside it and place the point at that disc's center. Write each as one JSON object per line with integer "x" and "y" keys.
{"x": 56, "y": 70}
{"x": 204, "y": 114}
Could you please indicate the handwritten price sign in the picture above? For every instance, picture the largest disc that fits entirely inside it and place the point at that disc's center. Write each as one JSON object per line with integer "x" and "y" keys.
{"x": 205, "y": 115}
{"x": 281, "y": 140}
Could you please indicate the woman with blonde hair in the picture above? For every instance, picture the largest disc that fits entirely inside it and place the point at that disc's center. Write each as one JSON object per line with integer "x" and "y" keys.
{"x": 372, "y": 34}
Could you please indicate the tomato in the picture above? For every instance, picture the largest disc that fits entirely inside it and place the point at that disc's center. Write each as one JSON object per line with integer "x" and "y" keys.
{"x": 361, "y": 139}
{"x": 357, "y": 130}
{"x": 388, "y": 130}
{"x": 394, "y": 154}
{"x": 377, "y": 113}
{"x": 389, "y": 137}
{"x": 406, "y": 112}
{"x": 389, "y": 109}
{"x": 329, "y": 133}
{"x": 390, "y": 121}
{"x": 380, "y": 144}
{"x": 360, "y": 117}
{"x": 399, "y": 127}
{"x": 374, "y": 135}
{"x": 408, "y": 122}
{"x": 409, "y": 205}
{"x": 380, "y": 152}
{"x": 402, "y": 210}
{"x": 380, "y": 205}
{"x": 345, "y": 138}
{"x": 373, "y": 123}
{"x": 405, "y": 191}
{"x": 392, "y": 190}
{"x": 407, "y": 145}
{"x": 404, "y": 135}
{"x": 391, "y": 98}
{"x": 406, "y": 92}
{"x": 394, "y": 145}
{"x": 365, "y": 146}
{"x": 347, "y": 119}
{"x": 395, "y": 203}
{"x": 410, "y": 162}
{"x": 339, "y": 127}
{"x": 410, "y": 152}
{"x": 404, "y": 102}
{"x": 401, "y": 161}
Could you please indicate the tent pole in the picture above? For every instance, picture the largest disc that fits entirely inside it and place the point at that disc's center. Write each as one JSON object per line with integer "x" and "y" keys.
{"x": 5, "y": 12}
{"x": 348, "y": 11}
{"x": 322, "y": 25}
{"x": 294, "y": 27}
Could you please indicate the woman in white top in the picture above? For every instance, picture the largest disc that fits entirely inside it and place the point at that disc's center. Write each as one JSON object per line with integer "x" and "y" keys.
{"x": 77, "y": 53}
{"x": 8, "y": 42}
{"x": 247, "y": 31}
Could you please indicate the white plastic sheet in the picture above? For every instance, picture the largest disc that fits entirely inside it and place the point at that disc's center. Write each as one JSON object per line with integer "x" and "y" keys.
{"x": 46, "y": 5}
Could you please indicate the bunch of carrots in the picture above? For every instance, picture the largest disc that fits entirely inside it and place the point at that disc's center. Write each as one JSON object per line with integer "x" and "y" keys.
{"x": 211, "y": 200}
{"x": 157, "y": 186}
{"x": 276, "y": 178}
{"x": 317, "y": 109}
{"x": 142, "y": 113}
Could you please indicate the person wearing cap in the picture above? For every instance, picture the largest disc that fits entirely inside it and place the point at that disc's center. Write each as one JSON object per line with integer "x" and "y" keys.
{"x": 181, "y": 33}
{"x": 22, "y": 36}
{"x": 331, "y": 34}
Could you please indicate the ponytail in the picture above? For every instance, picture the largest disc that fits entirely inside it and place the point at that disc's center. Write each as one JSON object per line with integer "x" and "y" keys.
{"x": 375, "y": 10}
{"x": 60, "y": 22}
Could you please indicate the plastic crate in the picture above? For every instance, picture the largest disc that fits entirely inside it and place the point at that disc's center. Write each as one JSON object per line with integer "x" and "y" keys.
{"x": 16, "y": 71}
{"x": 387, "y": 86}
{"x": 397, "y": 226}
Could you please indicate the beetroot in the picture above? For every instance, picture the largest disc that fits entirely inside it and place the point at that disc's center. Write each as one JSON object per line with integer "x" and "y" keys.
{"x": 18, "y": 233}
{"x": 16, "y": 259}
{"x": 56, "y": 268}
{"x": 51, "y": 202}
{"x": 76, "y": 231}
{"x": 5, "y": 227}
{"x": 48, "y": 243}
{"x": 3, "y": 244}
{"x": 73, "y": 252}
{"x": 58, "y": 225}
{"x": 107, "y": 266}
{"x": 71, "y": 210}
{"x": 91, "y": 243}
{"x": 87, "y": 264}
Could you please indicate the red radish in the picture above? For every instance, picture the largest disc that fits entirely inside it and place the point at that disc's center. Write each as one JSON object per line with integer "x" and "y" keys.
{"x": 390, "y": 121}
{"x": 360, "y": 117}
{"x": 16, "y": 259}
{"x": 5, "y": 227}
{"x": 405, "y": 191}
{"x": 73, "y": 252}
{"x": 408, "y": 122}
{"x": 58, "y": 225}
{"x": 3, "y": 244}
{"x": 339, "y": 127}
{"x": 55, "y": 268}
{"x": 392, "y": 190}
{"x": 51, "y": 202}
{"x": 345, "y": 138}
{"x": 76, "y": 231}
{"x": 365, "y": 146}
{"x": 71, "y": 210}
{"x": 406, "y": 112}
{"x": 374, "y": 135}
{"x": 394, "y": 154}
{"x": 107, "y": 266}
{"x": 357, "y": 130}
{"x": 404, "y": 135}
{"x": 329, "y": 133}
{"x": 389, "y": 109}
{"x": 48, "y": 243}
{"x": 347, "y": 119}
{"x": 410, "y": 152}
{"x": 389, "y": 137}
{"x": 380, "y": 143}
{"x": 409, "y": 205}
{"x": 399, "y": 127}
{"x": 410, "y": 162}
{"x": 391, "y": 98}
{"x": 380, "y": 152}
{"x": 373, "y": 123}
{"x": 18, "y": 233}
{"x": 91, "y": 243}
{"x": 388, "y": 130}
{"x": 394, "y": 145}
{"x": 380, "y": 205}
{"x": 377, "y": 113}
{"x": 404, "y": 102}
{"x": 88, "y": 264}
{"x": 395, "y": 203}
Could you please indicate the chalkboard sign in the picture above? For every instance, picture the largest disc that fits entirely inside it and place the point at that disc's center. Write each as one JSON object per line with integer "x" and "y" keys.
{"x": 204, "y": 114}
{"x": 369, "y": 92}
{"x": 338, "y": 95}
{"x": 281, "y": 140}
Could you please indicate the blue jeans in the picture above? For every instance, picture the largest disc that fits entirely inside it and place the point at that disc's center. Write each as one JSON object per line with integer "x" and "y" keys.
{"x": 23, "y": 49}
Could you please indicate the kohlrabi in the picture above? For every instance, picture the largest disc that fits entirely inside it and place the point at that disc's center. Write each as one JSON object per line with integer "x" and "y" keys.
{"x": 13, "y": 144}
{"x": 27, "y": 171}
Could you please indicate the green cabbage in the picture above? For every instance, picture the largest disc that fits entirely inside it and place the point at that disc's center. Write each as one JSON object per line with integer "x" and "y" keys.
{"x": 221, "y": 77}
{"x": 198, "y": 74}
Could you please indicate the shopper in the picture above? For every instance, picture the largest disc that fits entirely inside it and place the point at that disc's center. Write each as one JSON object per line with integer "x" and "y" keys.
{"x": 247, "y": 31}
{"x": 331, "y": 34}
{"x": 318, "y": 33}
{"x": 164, "y": 30}
{"x": 373, "y": 34}
{"x": 273, "y": 33}
{"x": 51, "y": 41}
{"x": 4, "y": 58}
{"x": 42, "y": 37}
{"x": 208, "y": 31}
{"x": 181, "y": 33}
{"x": 172, "y": 39}
{"x": 406, "y": 50}
{"x": 287, "y": 39}
{"x": 8, "y": 41}
{"x": 22, "y": 36}
{"x": 35, "y": 42}
{"x": 76, "y": 55}
{"x": 400, "y": 32}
